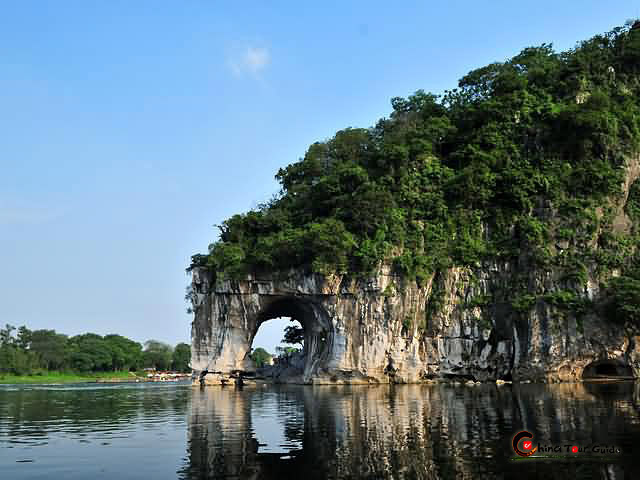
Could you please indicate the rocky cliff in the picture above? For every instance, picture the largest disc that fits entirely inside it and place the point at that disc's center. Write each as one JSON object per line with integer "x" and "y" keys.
{"x": 464, "y": 323}
{"x": 376, "y": 332}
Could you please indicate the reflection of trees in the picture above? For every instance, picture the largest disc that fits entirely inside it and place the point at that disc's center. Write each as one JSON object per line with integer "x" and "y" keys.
{"x": 401, "y": 432}
{"x": 27, "y": 411}
{"x": 404, "y": 432}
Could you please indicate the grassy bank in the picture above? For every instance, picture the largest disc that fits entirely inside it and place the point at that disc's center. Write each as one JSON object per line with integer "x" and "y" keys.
{"x": 63, "y": 377}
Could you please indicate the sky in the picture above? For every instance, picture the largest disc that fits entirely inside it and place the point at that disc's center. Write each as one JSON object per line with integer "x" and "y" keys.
{"x": 129, "y": 129}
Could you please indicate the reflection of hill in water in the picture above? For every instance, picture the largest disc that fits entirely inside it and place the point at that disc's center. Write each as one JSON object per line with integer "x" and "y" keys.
{"x": 413, "y": 432}
{"x": 610, "y": 390}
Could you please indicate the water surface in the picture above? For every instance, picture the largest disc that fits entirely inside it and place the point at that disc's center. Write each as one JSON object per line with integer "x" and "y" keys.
{"x": 168, "y": 431}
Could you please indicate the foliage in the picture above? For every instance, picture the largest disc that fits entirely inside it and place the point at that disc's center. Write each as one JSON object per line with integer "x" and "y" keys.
{"x": 50, "y": 347}
{"x": 568, "y": 300}
{"x": 125, "y": 353}
{"x": 625, "y": 294}
{"x": 260, "y": 356}
{"x": 523, "y": 303}
{"x": 42, "y": 376}
{"x": 157, "y": 355}
{"x": 632, "y": 207}
{"x": 521, "y": 161}
{"x": 286, "y": 351}
{"x": 626, "y": 299}
{"x": 293, "y": 334}
{"x": 181, "y": 358}
{"x": 36, "y": 352}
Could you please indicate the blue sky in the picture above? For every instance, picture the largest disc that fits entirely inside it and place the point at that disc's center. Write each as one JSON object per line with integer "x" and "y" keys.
{"x": 128, "y": 129}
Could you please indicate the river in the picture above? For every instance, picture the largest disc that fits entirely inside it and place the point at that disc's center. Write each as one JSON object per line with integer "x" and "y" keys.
{"x": 440, "y": 431}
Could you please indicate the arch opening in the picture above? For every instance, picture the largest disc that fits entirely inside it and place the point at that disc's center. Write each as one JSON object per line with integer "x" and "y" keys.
{"x": 275, "y": 340}
{"x": 316, "y": 338}
{"x": 607, "y": 370}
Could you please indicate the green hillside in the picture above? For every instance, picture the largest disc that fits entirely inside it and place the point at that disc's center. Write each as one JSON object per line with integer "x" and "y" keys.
{"x": 524, "y": 161}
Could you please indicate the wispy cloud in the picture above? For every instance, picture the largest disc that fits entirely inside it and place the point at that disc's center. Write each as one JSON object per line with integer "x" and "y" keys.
{"x": 252, "y": 60}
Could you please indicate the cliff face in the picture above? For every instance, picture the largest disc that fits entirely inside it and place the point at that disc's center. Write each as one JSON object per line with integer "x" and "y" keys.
{"x": 373, "y": 331}
{"x": 509, "y": 319}
{"x": 360, "y": 332}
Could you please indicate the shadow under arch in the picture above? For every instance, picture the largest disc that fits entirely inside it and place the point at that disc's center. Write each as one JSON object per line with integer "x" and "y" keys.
{"x": 608, "y": 369}
{"x": 315, "y": 322}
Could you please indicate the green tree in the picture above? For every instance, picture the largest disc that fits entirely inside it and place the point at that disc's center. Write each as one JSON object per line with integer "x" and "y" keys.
{"x": 286, "y": 351}
{"x": 6, "y": 335}
{"x": 24, "y": 338}
{"x": 293, "y": 334}
{"x": 17, "y": 361}
{"x": 626, "y": 299}
{"x": 260, "y": 356}
{"x": 125, "y": 353}
{"x": 157, "y": 355}
{"x": 89, "y": 352}
{"x": 181, "y": 358}
{"x": 50, "y": 347}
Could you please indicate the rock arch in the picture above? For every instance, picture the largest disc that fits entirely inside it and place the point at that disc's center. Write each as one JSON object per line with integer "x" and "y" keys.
{"x": 382, "y": 329}
{"x": 228, "y": 315}
{"x": 315, "y": 321}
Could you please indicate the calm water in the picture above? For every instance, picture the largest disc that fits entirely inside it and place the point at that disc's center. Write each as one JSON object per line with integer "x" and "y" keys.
{"x": 158, "y": 431}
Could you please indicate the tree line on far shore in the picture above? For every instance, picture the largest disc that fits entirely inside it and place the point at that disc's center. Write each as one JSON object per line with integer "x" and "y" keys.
{"x": 27, "y": 352}
{"x": 293, "y": 335}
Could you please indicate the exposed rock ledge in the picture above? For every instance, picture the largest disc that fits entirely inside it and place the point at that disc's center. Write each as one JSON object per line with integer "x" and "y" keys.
{"x": 376, "y": 331}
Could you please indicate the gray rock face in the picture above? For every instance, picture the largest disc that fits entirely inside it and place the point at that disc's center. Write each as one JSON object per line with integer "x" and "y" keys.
{"x": 381, "y": 330}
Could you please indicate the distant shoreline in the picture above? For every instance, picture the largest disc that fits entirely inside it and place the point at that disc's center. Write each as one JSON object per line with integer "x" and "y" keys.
{"x": 70, "y": 378}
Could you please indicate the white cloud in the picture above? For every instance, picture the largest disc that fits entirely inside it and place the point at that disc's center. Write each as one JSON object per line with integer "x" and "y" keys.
{"x": 253, "y": 60}
{"x": 257, "y": 58}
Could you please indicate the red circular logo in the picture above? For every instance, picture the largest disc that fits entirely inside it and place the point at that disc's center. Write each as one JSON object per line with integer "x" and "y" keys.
{"x": 574, "y": 449}
{"x": 527, "y": 444}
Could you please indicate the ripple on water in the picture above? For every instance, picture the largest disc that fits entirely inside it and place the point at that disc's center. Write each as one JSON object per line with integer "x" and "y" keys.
{"x": 433, "y": 431}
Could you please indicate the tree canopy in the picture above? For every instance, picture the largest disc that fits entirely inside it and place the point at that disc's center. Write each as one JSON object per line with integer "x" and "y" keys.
{"x": 24, "y": 352}
{"x": 519, "y": 153}
{"x": 293, "y": 334}
{"x": 157, "y": 355}
{"x": 540, "y": 125}
{"x": 181, "y": 358}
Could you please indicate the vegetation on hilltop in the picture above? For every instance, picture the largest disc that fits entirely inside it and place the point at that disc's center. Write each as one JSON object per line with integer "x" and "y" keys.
{"x": 523, "y": 156}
